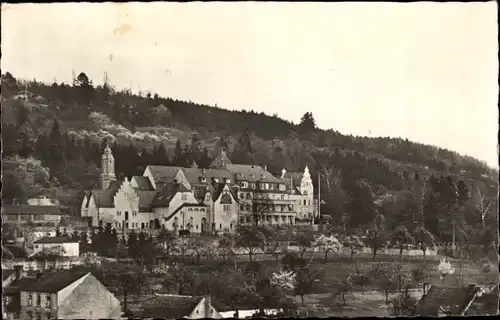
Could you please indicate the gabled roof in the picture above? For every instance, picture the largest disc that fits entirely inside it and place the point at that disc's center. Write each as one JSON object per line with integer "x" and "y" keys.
{"x": 165, "y": 195}
{"x": 169, "y": 306}
{"x": 146, "y": 199}
{"x": 29, "y": 209}
{"x": 165, "y": 172}
{"x": 50, "y": 282}
{"x": 293, "y": 179}
{"x": 55, "y": 240}
{"x": 484, "y": 305}
{"x": 194, "y": 175}
{"x": 453, "y": 300}
{"x": 143, "y": 183}
{"x": 221, "y": 161}
{"x": 105, "y": 198}
{"x": 252, "y": 173}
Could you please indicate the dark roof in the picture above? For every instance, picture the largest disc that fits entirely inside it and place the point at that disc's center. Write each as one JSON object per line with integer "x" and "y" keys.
{"x": 221, "y": 161}
{"x": 163, "y": 174}
{"x": 146, "y": 199}
{"x": 292, "y": 179}
{"x": 143, "y": 183}
{"x": 169, "y": 306}
{"x": 50, "y": 282}
{"x": 105, "y": 198}
{"x": 55, "y": 240}
{"x": 165, "y": 195}
{"x": 7, "y": 273}
{"x": 26, "y": 208}
{"x": 194, "y": 175}
{"x": 485, "y": 305}
{"x": 252, "y": 173}
{"x": 451, "y": 299}
{"x": 13, "y": 250}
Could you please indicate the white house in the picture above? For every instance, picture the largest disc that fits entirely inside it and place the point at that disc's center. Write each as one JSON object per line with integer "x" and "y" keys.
{"x": 59, "y": 245}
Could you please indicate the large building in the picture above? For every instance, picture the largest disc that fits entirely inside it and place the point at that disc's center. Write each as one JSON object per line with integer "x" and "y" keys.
{"x": 199, "y": 200}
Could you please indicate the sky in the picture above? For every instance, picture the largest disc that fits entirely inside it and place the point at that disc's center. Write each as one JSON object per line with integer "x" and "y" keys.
{"x": 423, "y": 71}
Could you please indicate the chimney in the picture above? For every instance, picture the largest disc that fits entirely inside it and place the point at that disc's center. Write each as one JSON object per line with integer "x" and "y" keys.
{"x": 427, "y": 286}
{"x": 18, "y": 269}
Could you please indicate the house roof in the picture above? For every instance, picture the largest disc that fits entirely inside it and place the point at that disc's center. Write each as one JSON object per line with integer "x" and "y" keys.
{"x": 454, "y": 300}
{"x": 169, "y": 306}
{"x": 50, "y": 282}
{"x": 146, "y": 199}
{"x": 292, "y": 179}
{"x": 221, "y": 161}
{"x": 252, "y": 173}
{"x": 6, "y": 273}
{"x": 163, "y": 174}
{"x": 55, "y": 240}
{"x": 484, "y": 305}
{"x": 29, "y": 209}
{"x": 143, "y": 183}
{"x": 165, "y": 195}
{"x": 104, "y": 198}
{"x": 194, "y": 175}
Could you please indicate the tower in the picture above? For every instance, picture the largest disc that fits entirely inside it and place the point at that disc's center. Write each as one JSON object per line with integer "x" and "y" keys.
{"x": 306, "y": 186}
{"x": 107, "y": 168}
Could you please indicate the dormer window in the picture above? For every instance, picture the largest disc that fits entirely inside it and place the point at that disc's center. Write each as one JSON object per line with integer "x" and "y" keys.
{"x": 203, "y": 179}
{"x": 216, "y": 180}
{"x": 252, "y": 175}
{"x": 282, "y": 187}
{"x": 244, "y": 184}
{"x": 228, "y": 181}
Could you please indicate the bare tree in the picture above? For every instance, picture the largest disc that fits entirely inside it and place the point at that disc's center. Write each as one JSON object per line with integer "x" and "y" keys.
{"x": 483, "y": 206}
{"x": 261, "y": 206}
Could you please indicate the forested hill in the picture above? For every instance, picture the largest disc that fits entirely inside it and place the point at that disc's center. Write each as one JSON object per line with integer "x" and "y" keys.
{"x": 60, "y": 129}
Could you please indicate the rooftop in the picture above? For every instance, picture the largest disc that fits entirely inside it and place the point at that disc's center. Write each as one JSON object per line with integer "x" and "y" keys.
{"x": 451, "y": 300}
{"x": 29, "y": 209}
{"x": 50, "y": 282}
{"x": 55, "y": 240}
{"x": 171, "y": 306}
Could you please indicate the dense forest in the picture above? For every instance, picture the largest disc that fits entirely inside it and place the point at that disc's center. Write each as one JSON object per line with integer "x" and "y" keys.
{"x": 53, "y": 136}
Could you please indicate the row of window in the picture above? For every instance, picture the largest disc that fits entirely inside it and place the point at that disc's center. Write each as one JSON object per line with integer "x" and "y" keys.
{"x": 248, "y": 219}
{"x": 263, "y": 186}
{"x": 144, "y": 225}
{"x": 134, "y": 213}
{"x": 196, "y": 209}
{"x": 272, "y": 208}
{"x": 48, "y": 300}
{"x": 190, "y": 226}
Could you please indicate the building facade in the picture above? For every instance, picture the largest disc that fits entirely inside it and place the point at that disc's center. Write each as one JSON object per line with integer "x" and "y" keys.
{"x": 58, "y": 245}
{"x": 216, "y": 199}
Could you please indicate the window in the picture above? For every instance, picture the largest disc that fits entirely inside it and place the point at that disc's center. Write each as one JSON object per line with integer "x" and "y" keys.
{"x": 305, "y": 202}
{"x": 247, "y": 207}
{"x": 119, "y": 225}
{"x": 242, "y": 195}
{"x": 48, "y": 301}
{"x": 242, "y": 207}
{"x": 220, "y": 226}
{"x": 29, "y": 301}
{"x": 119, "y": 213}
{"x": 242, "y": 220}
{"x": 196, "y": 209}
{"x": 48, "y": 316}
{"x": 226, "y": 207}
{"x": 38, "y": 316}
{"x": 282, "y": 187}
{"x": 36, "y": 246}
{"x": 184, "y": 197}
{"x": 190, "y": 209}
{"x": 29, "y": 314}
{"x": 230, "y": 226}
{"x": 249, "y": 195}
{"x": 282, "y": 197}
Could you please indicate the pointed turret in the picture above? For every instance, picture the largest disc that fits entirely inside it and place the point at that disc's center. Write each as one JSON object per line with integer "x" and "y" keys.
{"x": 283, "y": 172}
{"x": 194, "y": 165}
{"x": 221, "y": 161}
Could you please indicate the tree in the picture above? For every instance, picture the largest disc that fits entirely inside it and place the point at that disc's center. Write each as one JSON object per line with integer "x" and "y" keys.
{"x": 403, "y": 238}
{"x": 342, "y": 287}
{"x": 197, "y": 246}
{"x": 275, "y": 245}
{"x": 307, "y": 123}
{"x": 166, "y": 239}
{"x": 420, "y": 274}
{"x": 305, "y": 242}
{"x": 376, "y": 234}
{"x": 391, "y": 277}
{"x": 225, "y": 246}
{"x": 327, "y": 244}
{"x": 354, "y": 243}
{"x": 306, "y": 277}
{"x": 445, "y": 269}
{"x": 360, "y": 278}
{"x": 404, "y": 305}
{"x": 424, "y": 239}
{"x": 250, "y": 240}
{"x": 261, "y": 206}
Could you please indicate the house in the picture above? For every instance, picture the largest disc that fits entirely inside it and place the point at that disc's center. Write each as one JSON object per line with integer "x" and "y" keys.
{"x": 63, "y": 246}
{"x": 302, "y": 193}
{"x": 177, "y": 307}
{"x": 42, "y": 201}
{"x": 211, "y": 200}
{"x": 447, "y": 301}
{"x": 60, "y": 295}
{"x": 37, "y": 214}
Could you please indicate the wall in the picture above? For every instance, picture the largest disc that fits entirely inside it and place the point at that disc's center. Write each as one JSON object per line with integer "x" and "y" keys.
{"x": 43, "y": 309}
{"x": 90, "y": 299}
{"x": 199, "y": 312}
{"x": 70, "y": 249}
{"x": 226, "y": 220}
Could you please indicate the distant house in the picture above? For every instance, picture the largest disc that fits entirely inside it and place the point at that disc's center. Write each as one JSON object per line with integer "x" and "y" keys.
{"x": 42, "y": 201}
{"x": 70, "y": 248}
{"x": 61, "y": 295}
{"x": 447, "y": 301}
{"x": 177, "y": 307}
{"x": 25, "y": 213}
